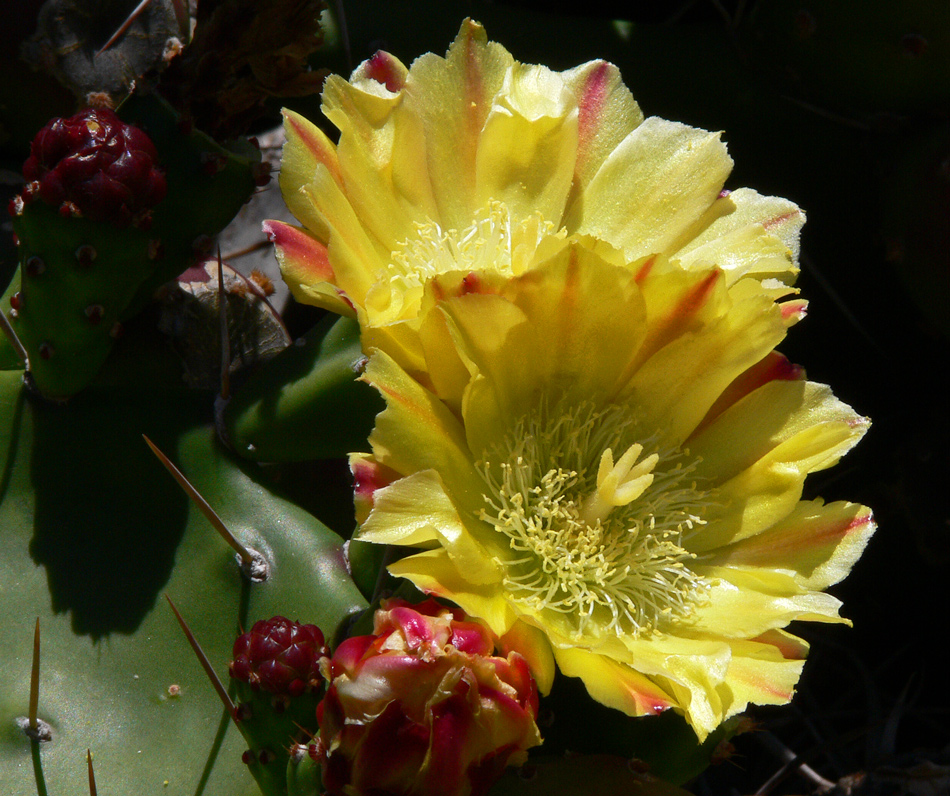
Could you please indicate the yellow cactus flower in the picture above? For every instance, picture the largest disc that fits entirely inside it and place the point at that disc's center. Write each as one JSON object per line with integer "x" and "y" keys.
{"x": 476, "y": 162}
{"x": 607, "y": 468}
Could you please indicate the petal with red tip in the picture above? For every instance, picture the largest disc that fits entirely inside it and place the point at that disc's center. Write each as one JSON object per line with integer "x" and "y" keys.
{"x": 306, "y": 267}
{"x": 819, "y": 543}
{"x": 613, "y": 683}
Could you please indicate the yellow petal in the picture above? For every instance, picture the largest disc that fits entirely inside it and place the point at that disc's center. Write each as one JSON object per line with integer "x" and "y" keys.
{"x": 383, "y": 68}
{"x": 652, "y": 189}
{"x": 772, "y": 367}
{"x": 744, "y": 602}
{"x": 613, "y": 683}
{"x": 306, "y": 148}
{"x": 396, "y": 517}
{"x": 452, "y": 98}
{"x": 417, "y": 432}
{"x": 758, "y": 237}
{"x": 533, "y": 645}
{"x": 377, "y": 152}
{"x": 368, "y": 477}
{"x": 450, "y": 371}
{"x": 607, "y": 113}
{"x": 433, "y": 572}
{"x": 479, "y": 562}
{"x": 490, "y": 396}
{"x": 764, "y": 670}
{"x": 354, "y": 257}
{"x": 819, "y": 543}
{"x": 547, "y": 331}
{"x": 528, "y": 144}
{"x": 692, "y": 671}
{"x": 677, "y": 301}
{"x": 400, "y": 340}
{"x": 305, "y": 265}
{"x": 766, "y": 492}
{"x": 676, "y": 387}
{"x": 793, "y": 309}
{"x": 755, "y": 425}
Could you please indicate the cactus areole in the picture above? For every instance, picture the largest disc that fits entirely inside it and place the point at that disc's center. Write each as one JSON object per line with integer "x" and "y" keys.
{"x": 95, "y": 165}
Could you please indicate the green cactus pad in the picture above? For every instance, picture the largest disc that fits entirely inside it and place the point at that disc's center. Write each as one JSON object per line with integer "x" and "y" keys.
{"x": 77, "y": 279}
{"x": 207, "y": 184}
{"x": 9, "y": 356}
{"x": 303, "y": 776}
{"x": 81, "y": 279}
{"x": 274, "y": 731}
{"x": 94, "y": 532}
{"x": 277, "y": 685}
{"x": 306, "y": 402}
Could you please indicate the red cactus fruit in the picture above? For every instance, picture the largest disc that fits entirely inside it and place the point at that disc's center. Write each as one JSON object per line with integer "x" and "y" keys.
{"x": 423, "y": 707}
{"x": 280, "y": 656}
{"x": 98, "y": 164}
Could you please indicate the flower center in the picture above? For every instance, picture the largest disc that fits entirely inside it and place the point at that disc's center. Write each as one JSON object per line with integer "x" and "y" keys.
{"x": 596, "y": 540}
{"x": 493, "y": 242}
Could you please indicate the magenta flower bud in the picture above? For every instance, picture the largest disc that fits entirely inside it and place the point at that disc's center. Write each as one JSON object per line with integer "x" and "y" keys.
{"x": 423, "y": 707}
{"x": 279, "y": 656}
{"x": 95, "y": 161}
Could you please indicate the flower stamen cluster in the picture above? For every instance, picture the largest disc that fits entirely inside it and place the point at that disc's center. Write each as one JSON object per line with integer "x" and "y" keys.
{"x": 594, "y": 542}
{"x": 494, "y": 242}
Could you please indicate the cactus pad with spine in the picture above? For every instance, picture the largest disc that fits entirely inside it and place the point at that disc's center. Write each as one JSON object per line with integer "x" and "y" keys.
{"x": 275, "y": 674}
{"x": 94, "y": 532}
{"x": 82, "y": 275}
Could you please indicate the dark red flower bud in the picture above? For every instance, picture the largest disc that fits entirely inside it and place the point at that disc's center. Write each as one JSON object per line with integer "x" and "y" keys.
{"x": 96, "y": 162}
{"x": 280, "y": 656}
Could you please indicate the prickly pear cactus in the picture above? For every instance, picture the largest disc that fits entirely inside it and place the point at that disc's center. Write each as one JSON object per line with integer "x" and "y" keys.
{"x": 108, "y": 215}
{"x": 95, "y": 532}
{"x": 276, "y": 676}
{"x": 287, "y": 411}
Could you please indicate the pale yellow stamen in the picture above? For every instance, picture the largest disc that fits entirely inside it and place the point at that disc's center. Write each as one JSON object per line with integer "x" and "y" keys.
{"x": 599, "y": 542}
{"x": 494, "y": 242}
